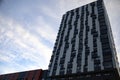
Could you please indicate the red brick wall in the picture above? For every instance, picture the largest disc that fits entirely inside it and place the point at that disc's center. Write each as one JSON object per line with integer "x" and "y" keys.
{"x": 36, "y": 74}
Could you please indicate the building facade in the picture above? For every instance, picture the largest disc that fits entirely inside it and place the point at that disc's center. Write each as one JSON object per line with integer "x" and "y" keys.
{"x": 84, "y": 48}
{"x": 26, "y": 75}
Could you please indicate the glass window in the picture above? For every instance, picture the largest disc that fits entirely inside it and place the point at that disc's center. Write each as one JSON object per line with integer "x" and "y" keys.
{"x": 107, "y": 64}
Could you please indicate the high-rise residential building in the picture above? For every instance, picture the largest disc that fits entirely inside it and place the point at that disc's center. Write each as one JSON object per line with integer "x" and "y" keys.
{"x": 84, "y": 48}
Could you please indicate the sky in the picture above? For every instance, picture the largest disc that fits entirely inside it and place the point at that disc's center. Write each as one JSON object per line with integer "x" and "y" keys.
{"x": 28, "y": 29}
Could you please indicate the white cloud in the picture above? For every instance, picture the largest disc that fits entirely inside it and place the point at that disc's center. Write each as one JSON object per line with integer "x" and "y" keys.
{"x": 45, "y": 30}
{"x": 50, "y": 12}
{"x": 66, "y": 5}
{"x": 28, "y": 44}
{"x": 6, "y": 56}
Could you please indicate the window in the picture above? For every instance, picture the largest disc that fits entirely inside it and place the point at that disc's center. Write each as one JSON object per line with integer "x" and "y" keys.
{"x": 71, "y": 59}
{"x": 85, "y": 68}
{"x": 93, "y": 31}
{"x": 75, "y": 23}
{"x": 72, "y": 54}
{"x": 104, "y": 27}
{"x": 100, "y": 11}
{"x": 66, "y": 46}
{"x": 87, "y": 28}
{"x": 100, "y": 8}
{"x": 73, "y": 40}
{"x": 95, "y": 34}
{"x": 77, "y": 16}
{"x": 106, "y": 59}
{"x": 69, "y": 70}
{"x": 93, "y": 16}
{"x": 107, "y": 54}
{"x": 62, "y": 61}
{"x": 23, "y": 79}
{"x": 22, "y": 75}
{"x": 105, "y": 44}
{"x": 94, "y": 44}
{"x": 88, "y": 75}
{"x": 70, "y": 21}
{"x": 97, "y": 67}
{"x": 79, "y": 68}
{"x": 32, "y": 79}
{"x": 76, "y": 31}
{"x": 107, "y": 74}
{"x": 95, "y": 49}
{"x": 98, "y": 74}
{"x": 96, "y": 61}
{"x": 99, "y": 5}
{"x": 92, "y": 4}
{"x": 66, "y": 38}
{"x": 103, "y": 32}
{"x": 106, "y": 49}
{"x": 63, "y": 56}
{"x": 102, "y": 22}
{"x": 69, "y": 65}
{"x": 104, "y": 36}
{"x": 94, "y": 55}
{"x": 108, "y": 64}
{"x": 101, "y": 16}
{"x": 79, "y": 62}
{"x": 72, "y": 13}
{"x": 62, "y": 72}
{"x": 61, "y": 67}
{"x": 55, "y": 65}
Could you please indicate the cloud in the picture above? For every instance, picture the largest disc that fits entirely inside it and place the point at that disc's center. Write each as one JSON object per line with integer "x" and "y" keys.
{"x": 45, "y": 30}
{"x": 22, "y": 45}
{"x": 50, "y": 12}
{"x": 66, "y": 5}
{"x": 23, "y": 35}
{"x": 6, "y": 56}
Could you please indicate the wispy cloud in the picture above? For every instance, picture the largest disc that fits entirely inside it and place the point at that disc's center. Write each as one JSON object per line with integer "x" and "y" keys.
{"x": 66, "y": 5}
{"x": 46, "y": 31}
{"x": 20, "y": 44}
{"x": 50, "y": 12}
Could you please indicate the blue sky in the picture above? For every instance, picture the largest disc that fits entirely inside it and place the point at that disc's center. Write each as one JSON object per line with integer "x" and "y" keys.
{"x": 28, "y": 30}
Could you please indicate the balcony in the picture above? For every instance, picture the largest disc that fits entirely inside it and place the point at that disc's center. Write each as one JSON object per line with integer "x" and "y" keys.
{"x": 62, "y": 72}
{"x": 108, "y": 65}
{"x": 94, "y": 55}
{"x": 69, "y": 65}
{"x": 97, "y": 67}
{"x": 69, "y": 70}
{"x": 62, "y": 61}
{"x": 96, "y": 61}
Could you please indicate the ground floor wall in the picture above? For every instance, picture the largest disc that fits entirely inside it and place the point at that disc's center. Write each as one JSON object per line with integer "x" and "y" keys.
{"x": 109, "y": 74}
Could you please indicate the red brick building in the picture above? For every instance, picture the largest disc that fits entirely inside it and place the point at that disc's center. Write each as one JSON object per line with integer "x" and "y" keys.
{"x": 26, "y": 75}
